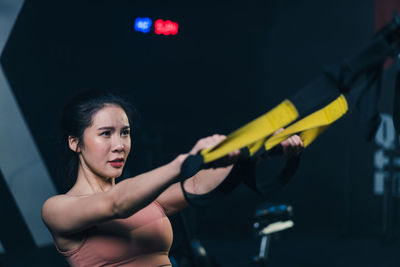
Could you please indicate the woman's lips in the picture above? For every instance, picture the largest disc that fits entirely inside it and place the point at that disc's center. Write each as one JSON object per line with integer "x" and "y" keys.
{"x": 116, "y": 164}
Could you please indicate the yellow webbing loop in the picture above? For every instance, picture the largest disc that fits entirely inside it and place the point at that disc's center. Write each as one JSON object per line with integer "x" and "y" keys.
{"x": 255, "y": 132}
{"x": 313, "y": 125}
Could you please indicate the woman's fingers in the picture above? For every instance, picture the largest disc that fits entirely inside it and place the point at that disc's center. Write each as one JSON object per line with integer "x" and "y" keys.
{"x": 212, "y": 141}
{"x": 292, "y": 146}
{"x": 299, "y": 144}
{"x": 207, "y": 142}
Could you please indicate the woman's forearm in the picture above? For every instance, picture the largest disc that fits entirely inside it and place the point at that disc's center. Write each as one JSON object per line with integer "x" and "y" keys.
{"x": 207, "y": 180}
{"x": 133, "y": 194}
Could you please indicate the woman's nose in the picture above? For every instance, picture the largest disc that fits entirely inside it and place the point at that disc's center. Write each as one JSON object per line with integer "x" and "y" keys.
{"x": 118, "y": 145}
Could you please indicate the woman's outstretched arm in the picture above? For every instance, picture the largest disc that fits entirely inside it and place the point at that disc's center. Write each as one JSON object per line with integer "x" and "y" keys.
{"x": 205, "y": 181}
{"x": 64, "y": 214}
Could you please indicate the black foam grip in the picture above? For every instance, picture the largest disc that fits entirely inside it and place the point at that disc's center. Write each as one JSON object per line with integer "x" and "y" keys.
{"x": 244, "y": 168}
{"x": 192, "y": 165}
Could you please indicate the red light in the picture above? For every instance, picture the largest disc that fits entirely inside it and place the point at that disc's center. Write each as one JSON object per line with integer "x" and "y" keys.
{"x": 165, "y": 27}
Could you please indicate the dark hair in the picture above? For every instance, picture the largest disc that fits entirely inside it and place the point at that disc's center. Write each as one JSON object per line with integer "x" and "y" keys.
{"x": 77, "y": 116}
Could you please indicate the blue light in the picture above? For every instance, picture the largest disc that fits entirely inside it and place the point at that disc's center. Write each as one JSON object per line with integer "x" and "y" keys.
{"x": 282, "y": 207}
{"x": 272, "y": 209}
{"x": 143, "y": 25}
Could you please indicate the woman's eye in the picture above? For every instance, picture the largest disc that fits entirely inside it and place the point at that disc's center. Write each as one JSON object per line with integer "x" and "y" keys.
{"x": 106, "y": 133}
{"x": 125, "y": 132}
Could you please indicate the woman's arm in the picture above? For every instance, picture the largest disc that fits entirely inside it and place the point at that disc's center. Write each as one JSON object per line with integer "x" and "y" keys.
{"x": 65, "y": 214}
{"x": 173, "y": 199}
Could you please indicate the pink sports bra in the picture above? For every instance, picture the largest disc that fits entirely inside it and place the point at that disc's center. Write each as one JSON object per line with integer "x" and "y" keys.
{"x": 144, "y": 239}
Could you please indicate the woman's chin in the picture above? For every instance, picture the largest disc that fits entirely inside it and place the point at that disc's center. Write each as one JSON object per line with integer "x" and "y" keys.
{"x": 115, "y": 174}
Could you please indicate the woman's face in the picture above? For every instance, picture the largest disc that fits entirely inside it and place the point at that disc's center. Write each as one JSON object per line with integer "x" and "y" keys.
{"x": 107, "y": 142}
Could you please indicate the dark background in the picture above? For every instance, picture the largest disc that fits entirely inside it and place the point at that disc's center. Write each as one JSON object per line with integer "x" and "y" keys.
{"x": 230, "y": 62}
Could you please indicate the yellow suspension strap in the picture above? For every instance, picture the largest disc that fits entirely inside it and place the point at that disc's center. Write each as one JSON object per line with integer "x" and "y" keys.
{"x": 256, "y": 135}
{"x": 256, "y": 130}
{"x": 311, "y": 126}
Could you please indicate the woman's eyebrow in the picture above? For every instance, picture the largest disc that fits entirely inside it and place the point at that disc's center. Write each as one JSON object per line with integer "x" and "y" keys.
{"x": 112, "y": 128}
{"x": 106, "y": 128}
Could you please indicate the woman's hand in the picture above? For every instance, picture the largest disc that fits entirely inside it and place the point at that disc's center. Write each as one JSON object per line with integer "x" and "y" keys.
{"x": 292, "y": 146}
{"x": 211, "y": 141}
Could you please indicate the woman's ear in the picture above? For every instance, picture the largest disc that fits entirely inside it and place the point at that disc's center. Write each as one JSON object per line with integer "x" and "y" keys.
{"x": 73, "y": 144}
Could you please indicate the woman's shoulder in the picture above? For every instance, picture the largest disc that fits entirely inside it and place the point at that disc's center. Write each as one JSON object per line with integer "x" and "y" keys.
{"x": 52, "y": 203}
{"x": 50, "y": 209}
{"x": 55, "y": 199}
{"x": 72, "y": 194}
{"x": 58, "y": 199}
{"x": 56, "y": 203}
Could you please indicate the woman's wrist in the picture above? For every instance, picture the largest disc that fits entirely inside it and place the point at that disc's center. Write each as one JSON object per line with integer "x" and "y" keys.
{"x": 176, "y": 165}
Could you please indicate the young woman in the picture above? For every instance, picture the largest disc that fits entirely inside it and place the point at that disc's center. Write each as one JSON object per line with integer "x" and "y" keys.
{"x": 101, "y": 223}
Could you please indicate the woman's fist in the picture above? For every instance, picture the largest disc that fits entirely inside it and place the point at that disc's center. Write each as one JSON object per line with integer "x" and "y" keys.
{"x": 212, "y": 141}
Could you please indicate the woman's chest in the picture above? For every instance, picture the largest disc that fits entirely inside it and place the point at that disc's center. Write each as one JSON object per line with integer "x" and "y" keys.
{"x": 147, "y": 231}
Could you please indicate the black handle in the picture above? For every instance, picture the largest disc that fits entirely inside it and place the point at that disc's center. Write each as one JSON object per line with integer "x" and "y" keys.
{"x": 192, "y": 165}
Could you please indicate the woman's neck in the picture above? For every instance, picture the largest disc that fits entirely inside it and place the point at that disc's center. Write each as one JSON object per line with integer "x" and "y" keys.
{"x": 89, "y": 182}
